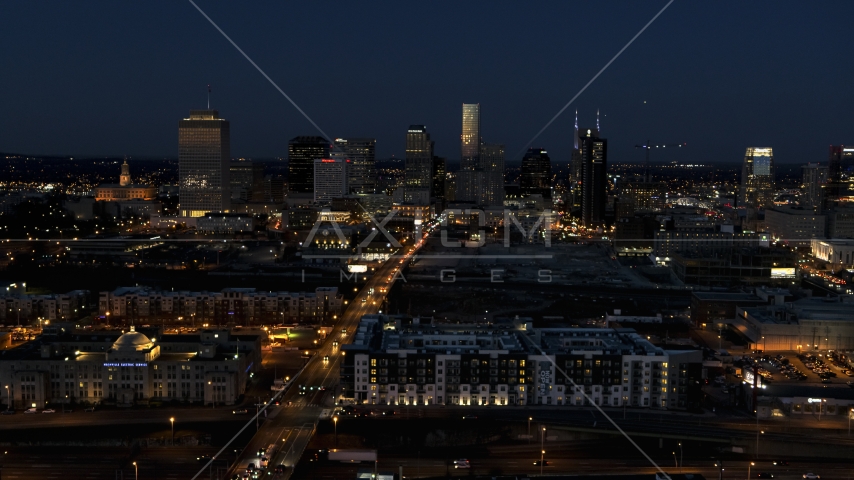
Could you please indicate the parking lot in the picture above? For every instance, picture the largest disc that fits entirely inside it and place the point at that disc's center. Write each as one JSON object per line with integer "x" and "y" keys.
{"x": 803, "y": 368}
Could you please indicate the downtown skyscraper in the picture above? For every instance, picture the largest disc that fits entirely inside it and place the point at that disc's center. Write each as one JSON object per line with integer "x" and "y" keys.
{"x": 470, "y": 137}
{"x": 331, "y": 177}
{"x": 418, "y": 166}
{"x": 757, "y": 178}
{"x": 204, "y": 153}
{"x": 362, "y": 168}
{"x": 594, "y": 177}
{"x": 302, "y": 152}
{"x": 536, "y": 173}
{"x": 481, "y": 176}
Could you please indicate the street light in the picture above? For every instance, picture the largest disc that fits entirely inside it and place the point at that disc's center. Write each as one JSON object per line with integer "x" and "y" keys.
{"x": 136, "y": 471}
{"x": 542, "y": 438}
{"x": 9, "y": 404}
{"x": 681, "y": 458}
{"x": 529, "y": 427}
{"x": 748, "y": 470}
{"x": 675, "y": 460}
{"x": 849, "y": 420}
{"x": 335, "y": 421}
{"x": 172, "y": 421}
{"x": 542, "y": 460}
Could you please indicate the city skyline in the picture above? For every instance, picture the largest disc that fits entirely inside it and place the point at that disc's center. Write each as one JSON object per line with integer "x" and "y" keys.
{"x": 266, "y": 124}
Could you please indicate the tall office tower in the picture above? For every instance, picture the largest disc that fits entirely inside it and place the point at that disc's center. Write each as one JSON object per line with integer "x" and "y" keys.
{"x": 536, "y": 173}
{"x": 247, "y": 180}
{"x": 439, "y": 181}
{"x": 594, "y": 178}
{"x": 757, "y": 178}
{"x": 815, "y": 179}
{"x": 492, "y": 161}
{"x": 361, "y": 153}
{"x": 302, "y": 152}
{"x": 418, "y": 166}
{"x": 124, "y": 178}
{"x": 840, "y": 175}
{"x": 470, "y": 137}
{"x": 204, "y": 152}
{"x": 330, "y": 179}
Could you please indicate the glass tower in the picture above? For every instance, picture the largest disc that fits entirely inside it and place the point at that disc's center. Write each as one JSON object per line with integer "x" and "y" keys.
{"x": 757, "y": 178}
{"x": 470, "y": 137}
{"x": 204, "y": 152}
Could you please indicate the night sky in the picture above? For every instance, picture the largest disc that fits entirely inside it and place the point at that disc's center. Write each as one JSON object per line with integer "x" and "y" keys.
{"x": 113, "y": 78}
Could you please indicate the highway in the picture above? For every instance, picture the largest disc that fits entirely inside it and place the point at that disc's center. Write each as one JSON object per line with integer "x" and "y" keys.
{"x": 291, "y": 425}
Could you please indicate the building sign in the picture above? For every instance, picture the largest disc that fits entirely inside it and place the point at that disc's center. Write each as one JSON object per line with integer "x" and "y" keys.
{"x": 357, "y": 268}
{"x": 125, "y": 364}
{"x": 783, "y": 272}
{"x": 545, "y": 378}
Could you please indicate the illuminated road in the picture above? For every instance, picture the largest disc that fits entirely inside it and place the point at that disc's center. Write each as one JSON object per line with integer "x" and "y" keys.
{"x": 290, "y": 427}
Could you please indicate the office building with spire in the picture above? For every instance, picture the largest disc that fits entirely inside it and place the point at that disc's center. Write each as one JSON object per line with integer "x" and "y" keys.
{"x": 594, "y": 177}
{"x": 361, "y": 152}
{"x": 757, "y": 178}
{"x": 204, "y": 154}
{"x": 418, "y": 166}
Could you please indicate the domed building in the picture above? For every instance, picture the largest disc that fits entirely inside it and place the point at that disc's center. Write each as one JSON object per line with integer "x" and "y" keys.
{"x": 210, "y": 367}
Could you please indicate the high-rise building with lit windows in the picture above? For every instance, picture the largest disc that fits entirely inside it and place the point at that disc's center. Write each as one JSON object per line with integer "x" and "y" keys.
{"x": 470, "y": 137}
{"x": 330, "y": 179}
{"x": 757, "y": 178}
{"x": 362, "y": 167}
{"x": 418, "y": 166}
{"x": 594, "y": 177}
{"x": 204, "y": 153}
{"x": 302, "y": 152}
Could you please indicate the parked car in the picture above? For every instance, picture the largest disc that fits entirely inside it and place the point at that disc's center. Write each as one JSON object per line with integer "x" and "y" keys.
{"x": 7, "y": 412}
{"x": 811, "y": 476}
{"x": 31, "y": 410}
{"x": 48, "y": 410}
{"x": 462, "y": 463}
{"x": 89, "y": 409}
{"x": 240, "y": 411}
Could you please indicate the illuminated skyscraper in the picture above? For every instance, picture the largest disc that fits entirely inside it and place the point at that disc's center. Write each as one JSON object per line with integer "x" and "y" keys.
{"x": 470, "y": 137}
{"x": 757, "y": 178}
{"x": 302, "y": 152}
{"x": 418, "y": 165}
{"x": 204, "y": 152}
{"x": 594, "y": 177}
{"x": 362, "y": 168}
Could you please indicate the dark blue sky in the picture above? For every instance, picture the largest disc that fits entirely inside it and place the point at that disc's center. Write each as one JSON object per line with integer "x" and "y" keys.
{"x": 113, "y": 78}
